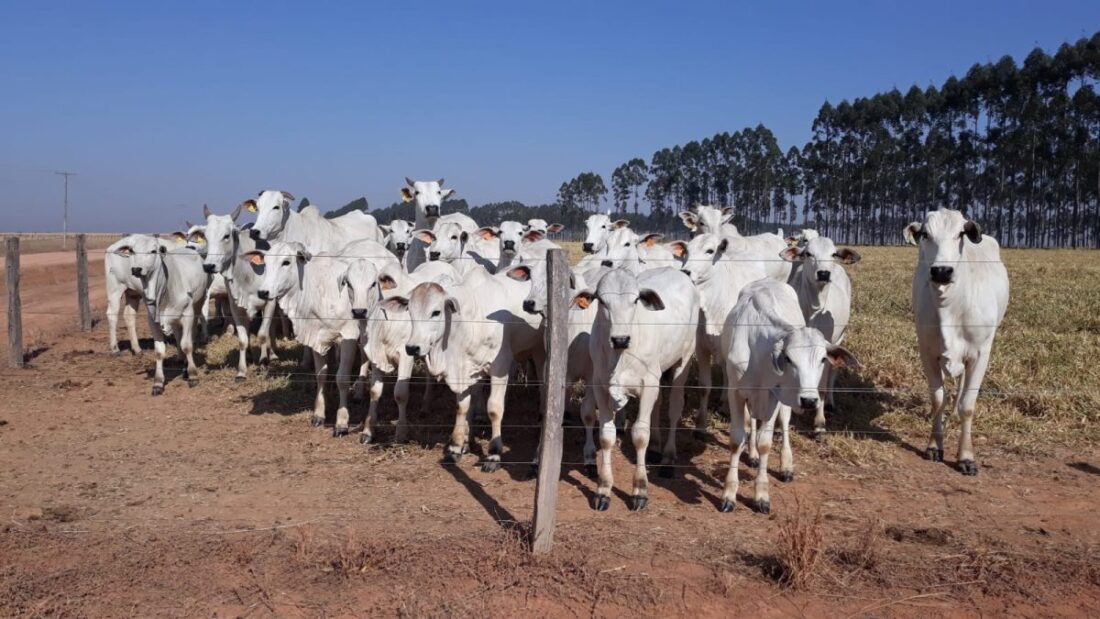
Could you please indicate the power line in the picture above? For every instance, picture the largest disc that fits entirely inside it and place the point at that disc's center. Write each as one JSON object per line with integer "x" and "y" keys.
{"x": 65, "y": 217}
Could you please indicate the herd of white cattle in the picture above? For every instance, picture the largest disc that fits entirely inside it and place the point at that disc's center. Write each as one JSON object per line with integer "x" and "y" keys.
{"x": 469, "y": 301}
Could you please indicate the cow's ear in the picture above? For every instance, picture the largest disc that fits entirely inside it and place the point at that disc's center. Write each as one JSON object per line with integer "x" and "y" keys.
{"x": 206, "y": 213}
{"x": 913, "y": 233}
{"x": 396, "y": 304}
{"x": 583, "y": 299}
{"x": 973, "y": 231}
{"x": 841, "y": 357}
{"x": 522, "y": 273}
{"x": 255, "y": 258}
{"x": 620, "y": 223}
{"x": 554, "y": 228}
{"x": 722, "y": 245}
{"x": 249, "y": 205}
{"x": 199, "y": 237}
{"x": 678, "y": 249}
{"x": 487, "y": 233}
{"x": 462, "y": 238}
{"x": 385, "y": 229}
{"x": 651, "y": 300}
{"x": 847, "y": 256}
{"x": 387, "y": 282}
{"x": 287, "y": 196}
{"x": 179, "y": 237}
{"x": 792, "y": 241}
{"x": 411, "y": 224}
{"x": 651, "y": 239}
{"x": 690, "y": 220}
{"x": 451, "y": 305}
{"x": 303, "y": 254}
{"x": 446, "y": 194}
{"x": 126, "y": 251}
{"x": 779, "y": 357}
{"x": 425, "y": 236}
{"x": 235, "y": 214}
{"x": 533, "y": 236}
{"x": 791, "y": 254}
{"x": 406, "y": 194}
{"x": 727, "y": 214}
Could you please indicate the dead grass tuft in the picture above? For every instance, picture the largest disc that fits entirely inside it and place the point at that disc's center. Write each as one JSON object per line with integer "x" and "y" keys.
{"x": 800, "y": 546}
{"x": 867, "y": 549}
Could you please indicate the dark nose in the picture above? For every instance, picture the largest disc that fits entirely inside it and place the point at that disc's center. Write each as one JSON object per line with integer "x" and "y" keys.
{"x": 942, "y": 275}
{"x": 136, "y": 271}
{"x": 431, "y": 211}
{"x": 359, "y": 313}
{"x": 434, "y": 255}
{"x": 264, "y": 295}
{"x": 607, "y": 263}
{"x": 400, "y": 247}
{"x": 412, "y": 351}
{"x": 587, "y": 247}
{"x": 254, "y": 234}
{"x": 209, "y": 268}
{"x": 509, "y": 245}
{"x": 808, "y": 403}
{"x": 621, "y": 342}
{"x": 529, "y": 306}
{"x": 686, "y": 272}
{"x": 824, "y": 276}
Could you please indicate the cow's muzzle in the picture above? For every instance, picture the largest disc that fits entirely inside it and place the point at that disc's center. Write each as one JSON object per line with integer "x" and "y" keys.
{"x": 942, "y": 275}
{"x": 412, "y": 351}
{"x": 824, "y": 276}
{"x": 433, "y": 255}
{"x": 607, "y": 263}
{"x": 254, "y": 234}
{"x": 529, "y": 306}
{"x": 510, "y": 246}
{"x": 808, "y": 404}
{"x": 620, "y": 342}
{"x": 208, "y": 268}
{"x": 587, "y": 247}
{"x": 401, "y": 247}
{"x": 431, "y": 211}
{"x": 135, "y": 271}
{"x": 264, "y": 295}
{"x": 358, "y": 314}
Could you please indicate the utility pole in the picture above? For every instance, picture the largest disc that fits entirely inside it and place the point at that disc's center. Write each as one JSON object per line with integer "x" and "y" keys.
{"x": 65, "y": 219}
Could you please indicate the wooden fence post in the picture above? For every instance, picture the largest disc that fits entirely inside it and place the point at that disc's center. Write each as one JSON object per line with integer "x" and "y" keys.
{"x": 557, "y": 347}
{"x": 82, "y": 284}
{"x": 15, "y": 308}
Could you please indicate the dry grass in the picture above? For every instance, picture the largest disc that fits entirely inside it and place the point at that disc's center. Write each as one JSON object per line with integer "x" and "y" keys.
{"x": 800, "y": 546}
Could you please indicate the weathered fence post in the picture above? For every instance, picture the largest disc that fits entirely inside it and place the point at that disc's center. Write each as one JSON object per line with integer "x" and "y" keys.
{"x": 82, "y": 284}
{"x": 557, "y": 345}
{"x": 15, "y": 308}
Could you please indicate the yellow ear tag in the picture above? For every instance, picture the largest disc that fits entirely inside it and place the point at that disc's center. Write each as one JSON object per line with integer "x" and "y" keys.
{"x": 180, "y": 240}
{"x": 406, "y": 195}
{"x": 250, "y": 206}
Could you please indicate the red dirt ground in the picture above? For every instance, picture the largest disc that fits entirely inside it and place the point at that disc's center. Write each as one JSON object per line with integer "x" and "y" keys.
{"x": 220, "y": 500}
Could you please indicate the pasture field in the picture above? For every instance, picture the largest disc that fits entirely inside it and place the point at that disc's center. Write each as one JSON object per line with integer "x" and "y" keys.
{"x": 220, "y": 500}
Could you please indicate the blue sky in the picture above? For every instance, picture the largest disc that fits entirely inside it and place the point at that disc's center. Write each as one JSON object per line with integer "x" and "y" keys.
{"x": 162, "y": 107}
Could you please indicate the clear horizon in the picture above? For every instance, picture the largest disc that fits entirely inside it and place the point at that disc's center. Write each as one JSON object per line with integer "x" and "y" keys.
{"x": 159, "y": 110}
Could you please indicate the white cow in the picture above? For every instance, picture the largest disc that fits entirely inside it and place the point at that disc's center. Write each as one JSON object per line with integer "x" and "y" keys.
{"x": 467, "y": 251}
{"x": 313, "y": 291}
{"x": 385, "y": 337}
{"x": 511, "y": 236}
{"x": 124, "y": 287}
{"x": 398, "y": 236}
{"x": 428, "y": 197}
{"x": 716, "y": 221}
{"x": 174, "y": 289}
{"x": 541, "y": 225}
{"x": 467, "y": 332}
{"x": 636, "y": 253}
{"x": 645, "y": 325}
{"x": 960, "y": 295}
{"x": 277, "y": 221}
{"x": 773, "y": 362}
{"x": 825, "y": 295}
{"x": 719, "y": 274}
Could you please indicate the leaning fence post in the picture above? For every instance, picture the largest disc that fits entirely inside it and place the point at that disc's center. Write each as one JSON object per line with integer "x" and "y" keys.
{"x": 15, "y": 308}
{"x": 82, "y": 284}
{"x": 557, "y": 345}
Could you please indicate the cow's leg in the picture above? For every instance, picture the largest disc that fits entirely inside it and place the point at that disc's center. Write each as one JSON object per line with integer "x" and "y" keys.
{"x": 739, "y": 433}
{"x": 460, "y": 436}
{"x": 937, "y": 398}
{"x": 129, "y": 314}
{"x": 966, "y": 402}
{"x": 786, "y": 457}
{"x": 359, "y": 389}
{"x": 819, "y": 415}
{"x": 204, "y": 319}
{"x": 588, "y": 416}
{"x": 185, "y": 337}
{"x": 498, "y": 389}
{"x": 114, "y": 306}
{"x": 240, "y": 325}
{"x": 429, "y": 392}
{"x": 675, "y": 411}
{"x": 401, "y": 397}
{"x": 639, "y": 433}
{"x": 320, "y": 366}
{"x": 608, "y": 433}
{"x": 263, "y": 336}
{"x": 753, "y": 459}
{"x": 372, "y": 409}
{"x": 764, "y": 446}
{"x": 702, "y": 418}
{"x": 344, "y": 366}
{"x": 158, "y": 350}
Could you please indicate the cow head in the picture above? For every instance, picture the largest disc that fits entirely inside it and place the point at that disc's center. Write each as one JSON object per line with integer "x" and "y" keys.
{"x": 941, "y": 239}
{"x": 445, "y": 242}
{"x": 399, "y": 235}
{"x": 706, "y": 219}
{"x": 820, "y": 259}
{"x": 272, "y": 210}
{"x": 626, "y": 249}
{"x": 802, "y": 237}
{"x": 511, "y": 235}
{"x": 359, "y": 282}
{"x": 283, "y": 268}
{"x": 428, "y": 197}
{"x": 619, "y": 297}
{"x": 700, "y": 255}
{"x": 540, "y": 225}
{"x": 429, "y": 309}
{"x": 220, "y": 238}
{"x": 798, "y": 360}
{"x": 599, "y": 227}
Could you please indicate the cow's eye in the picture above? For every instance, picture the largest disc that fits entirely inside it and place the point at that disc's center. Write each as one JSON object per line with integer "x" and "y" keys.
{"x": 807, "y": 254}
{"x": 710, "y": 251}
{"x": 454, "y": 238}
{"x": 286, "y": 263}
{"x": 225, "y": 238}
{"x": 626, "y": 244}
{"x": 275, "y": 207}
{"x": 435, "y": 314}
{"x": 416, "y": 193}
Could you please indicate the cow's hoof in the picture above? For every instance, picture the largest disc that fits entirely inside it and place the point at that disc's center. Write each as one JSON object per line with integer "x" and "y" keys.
{"x": 265, "y": 362}
{"x": 727, "y": 506}
{"x": 934, "y": 455}
{"x": 602, "y": 503}
{"x": 339, "y": 431}
{"x": 450, "y": 457}
{"x": 819, "y": 434}
{"x": 238, "y": 379}
{"x": 590, "y": 471}
{"x": 665, "y": 471}
{"x": 465, "y": 448}
{"x": 316, "y": 422}
{"x": 192, "y": 382}
{"x": 639, "y": 503}
{"x": 968, "y": 467}
{"x": 490, "y": 466}
{"x": 700, "y": 434}
{"x": 116, "y": 352}
{"x": 364, "y": 439}
{"x": 158, "y": 389}
{"x": 752, "y": 462}
{"x": 786, "y": 476}
{"x": 764, "y": 507}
